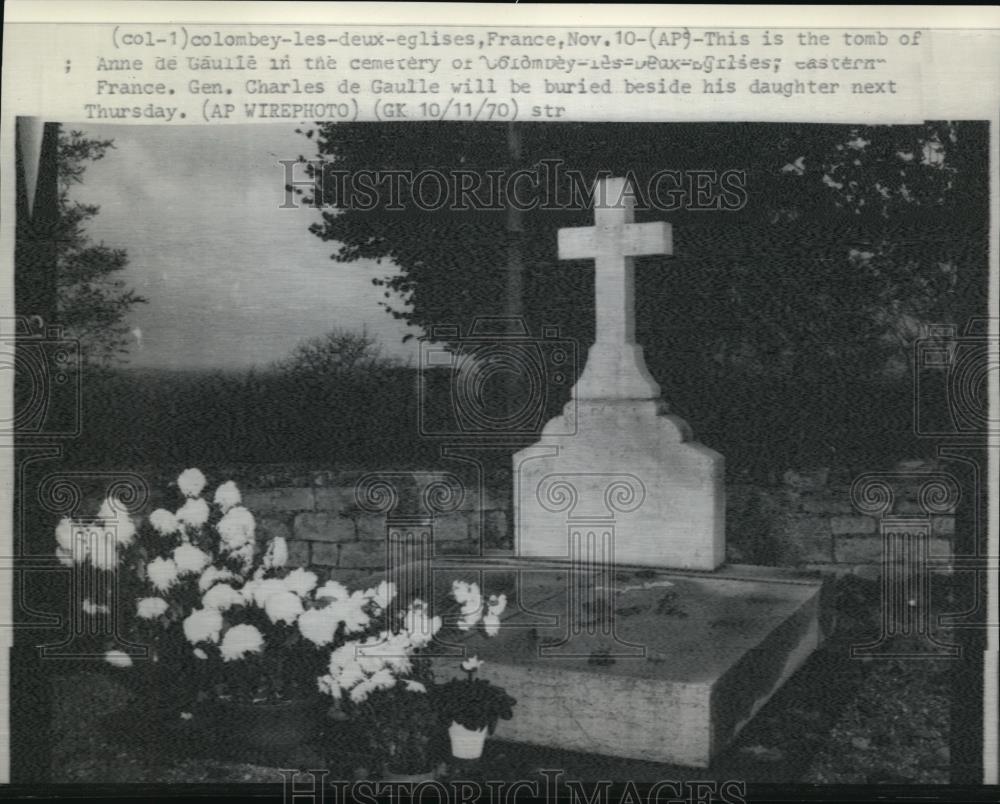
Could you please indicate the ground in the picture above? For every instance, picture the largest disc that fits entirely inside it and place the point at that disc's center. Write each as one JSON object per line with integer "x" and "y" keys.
{"x": 838, "y": 721}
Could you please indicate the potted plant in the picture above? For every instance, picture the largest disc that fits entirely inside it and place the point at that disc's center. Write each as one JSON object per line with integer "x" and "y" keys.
{"x": 473, "y": 706}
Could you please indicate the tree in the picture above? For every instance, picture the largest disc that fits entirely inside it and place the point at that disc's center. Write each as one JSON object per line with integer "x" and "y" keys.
{"x": 93, "y": 303}
{"x": 338, "y": 354}
{"x": 347, "y": 399}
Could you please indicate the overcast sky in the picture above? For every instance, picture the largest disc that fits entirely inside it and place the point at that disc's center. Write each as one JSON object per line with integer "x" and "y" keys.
{"x": 231, "y": 279}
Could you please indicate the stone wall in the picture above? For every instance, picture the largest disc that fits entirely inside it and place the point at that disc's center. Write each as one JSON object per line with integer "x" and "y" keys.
{"x": 814, "y": 520}
{"x": 337, "y": 520}
{"x": 808, "y": 519}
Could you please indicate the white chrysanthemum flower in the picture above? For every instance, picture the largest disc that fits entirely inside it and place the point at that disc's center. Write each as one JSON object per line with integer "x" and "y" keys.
{"x": 463, "y": 591}
{"x": 414, "y": 686}
{"x": 84, "y": 540}
{"x": 382, "y": 594}
{"x": 301, "y": 581}
{"x": 194, "y": 513}
{"x": 164, "y": 522}
{"x": 398, "y": 656}
{"x": 189, "y": 559}
{"x": 65, "y": 557}
{"x": 260, "y": 590}
{"x": 64, "y": 535}
{"x": 361, "y": 692}
{"x": 110, "y": 509}
{"x": 203, "y": 625}
{"x": 245, "y": 555}
{"x": 118, "y": 658}
{"x": 277, "y": 553}
{"x": 239, "y": 641}
{"x": 342, "y": 656}
{"x": 497, "y": 604}
{"x": 392, "y": 650}
{"x": 90, "y": 607}
{"x": 332, "y": 589}
{"x": 469, "y": 596}
{"x": 350, "y": 611}
{"x": 350, "y": 675}
{"x": 212, "y": 575}
{"x": 199, "y": 653}
{"x": 249, "y": 592}
{"x": 283, "y": 607}
{"x": 327, "y": 686}
{"x": 149, "y": 608}
{"x": 419, "y": 625}
{"x": 470, "y": 618}
{"x": 473, "y": 601}
{"x": 125, "y": 531}
{"x": 191, "y": 482}
{"x": 491, "y": 623}
{"x": 221, "y": 596}
{"x": 236, "y": 528}
{"x": 383, "y": 679}
{"x": 162, "y": 573}
{"x": 227, "y": 495}
{"x": 318, "y": 625}
{"x": 472, "y": 663}
{"x": 115, "y": 518}
{"x": 369, "y": 657}
{"x": 102, "y": 548}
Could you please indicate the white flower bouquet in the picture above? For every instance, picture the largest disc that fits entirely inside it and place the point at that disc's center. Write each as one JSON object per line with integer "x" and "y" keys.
{"x": 380, "y": 680}
{"x": 220, "y": 615}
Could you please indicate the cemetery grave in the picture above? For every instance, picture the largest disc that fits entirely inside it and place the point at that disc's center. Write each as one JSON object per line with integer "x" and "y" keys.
{"x": 837, "y": 721}
{"x": 629, "y": 639}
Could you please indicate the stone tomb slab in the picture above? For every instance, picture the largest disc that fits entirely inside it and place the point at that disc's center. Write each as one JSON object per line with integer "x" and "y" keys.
{"x": 689, "y": 660}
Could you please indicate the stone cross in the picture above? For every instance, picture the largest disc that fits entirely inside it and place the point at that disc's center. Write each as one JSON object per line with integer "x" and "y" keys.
{"x": 615, "y": 366}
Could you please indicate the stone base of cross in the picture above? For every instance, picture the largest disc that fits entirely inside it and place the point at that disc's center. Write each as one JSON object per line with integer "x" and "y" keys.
{"x": 618, "y": 423}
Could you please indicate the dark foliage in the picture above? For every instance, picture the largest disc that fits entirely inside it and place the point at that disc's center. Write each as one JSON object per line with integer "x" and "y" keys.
{"x": 786, "y": 326}
{"x": 473, "y": 703}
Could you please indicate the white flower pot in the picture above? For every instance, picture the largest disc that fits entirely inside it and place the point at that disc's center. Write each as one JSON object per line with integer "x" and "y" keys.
{"x": 466, "y": 743}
